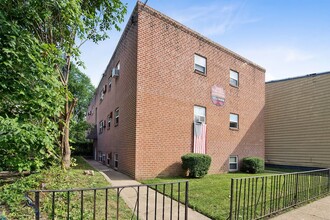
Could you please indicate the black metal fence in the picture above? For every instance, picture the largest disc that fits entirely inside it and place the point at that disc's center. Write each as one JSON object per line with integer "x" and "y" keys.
{"x": 258, "y": 197}
{"x": 142, "y": 202}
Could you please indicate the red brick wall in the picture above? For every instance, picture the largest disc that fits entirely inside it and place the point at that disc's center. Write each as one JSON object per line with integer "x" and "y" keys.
{"x": 168, "y": 89}
{"x": 119, "y": 139}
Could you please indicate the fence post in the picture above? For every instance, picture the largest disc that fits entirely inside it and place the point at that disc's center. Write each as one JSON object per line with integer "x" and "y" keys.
{"x": 328, "y": 179}
{"x": 296, "y": 195}
{"x": 231, "y": 198}
{"x": 186, "y": 201}
{"x": 36, "y": 208}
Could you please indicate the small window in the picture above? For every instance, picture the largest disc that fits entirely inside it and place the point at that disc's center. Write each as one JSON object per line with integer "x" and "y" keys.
{"x": 200, "y": 64}
{"x": 101, "y": 126}
{"x": 199, "y": 114}
{"x": 233, "y": 163}
{"x": 233, "y": 121}
{"x": 116, "y": 162}
{"x": 118, "y": 66}
{"x": 233, "y": 78}
{"x": 117, "y": 117}
{"x": 109, "y": 120}
{"x": 109, "y": 83}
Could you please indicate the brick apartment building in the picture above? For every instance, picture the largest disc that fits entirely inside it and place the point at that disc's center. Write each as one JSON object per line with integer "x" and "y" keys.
{"x": 168, "y": 91}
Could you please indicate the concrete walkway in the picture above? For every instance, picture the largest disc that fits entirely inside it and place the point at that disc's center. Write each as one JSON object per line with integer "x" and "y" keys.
{"x": 318, "y": 210}
{"x": 130, "y": 197}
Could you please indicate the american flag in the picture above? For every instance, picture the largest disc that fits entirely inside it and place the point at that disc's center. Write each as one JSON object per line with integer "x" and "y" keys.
{"x": 199, "y": 138}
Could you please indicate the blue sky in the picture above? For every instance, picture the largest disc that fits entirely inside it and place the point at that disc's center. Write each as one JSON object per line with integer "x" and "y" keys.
{"x": 287, "y": 37}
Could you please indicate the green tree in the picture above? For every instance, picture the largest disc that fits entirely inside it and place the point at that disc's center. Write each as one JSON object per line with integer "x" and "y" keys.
{"x": 82, "y": 89}
{"x": 65, "y": 25}
{"x": 31, "y": 99}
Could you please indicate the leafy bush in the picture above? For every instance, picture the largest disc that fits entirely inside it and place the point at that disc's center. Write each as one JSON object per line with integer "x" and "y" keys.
{"x": 196, "y": 164}
{"x": 253, "y": 165}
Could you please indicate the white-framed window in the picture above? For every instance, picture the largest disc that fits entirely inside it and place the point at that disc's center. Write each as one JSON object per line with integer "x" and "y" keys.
{"x": 199, "y": 114}
{"x": 234, "y": 78}
{"x": 110, "y": 83}
{"x": 109, "y": 120}
{"x": 233, "y": 118}
{"x": 101, "y": 126}
{"x": 103, "y": 158}
{"x": 116, "y": 159}
{"x": 109, "y": 158}
{"x": 200, "y": 64}
{"x": 118, "y": 65}
{"x": 116, "y": 116}
{"x": 233, "y": 163}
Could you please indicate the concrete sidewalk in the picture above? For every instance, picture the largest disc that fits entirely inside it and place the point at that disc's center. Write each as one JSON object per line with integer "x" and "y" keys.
{"x": 129, "y": 195}
{"x": 317, "y": 210}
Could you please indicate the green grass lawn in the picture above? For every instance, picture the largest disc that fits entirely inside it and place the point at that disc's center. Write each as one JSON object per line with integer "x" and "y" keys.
{"x": 12, "y": 202}
{"x": 209, "y": 195}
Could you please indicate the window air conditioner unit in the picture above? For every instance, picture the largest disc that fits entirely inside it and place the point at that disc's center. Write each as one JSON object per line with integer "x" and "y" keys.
{"x": 199, "y": 119}
{"x": 115, "y": 73}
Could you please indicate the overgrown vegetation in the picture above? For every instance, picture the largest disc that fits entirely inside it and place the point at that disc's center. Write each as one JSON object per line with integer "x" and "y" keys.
{"x": 39, "y": 40}
{"x": 12, "y": 201}
{"x": 197, "y": 165}
{"x": 253, "y": 165}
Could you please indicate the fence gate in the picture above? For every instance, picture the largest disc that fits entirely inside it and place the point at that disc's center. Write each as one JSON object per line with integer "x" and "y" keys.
{"x": 258, "y": 197}
{"x": 148, "y": 201}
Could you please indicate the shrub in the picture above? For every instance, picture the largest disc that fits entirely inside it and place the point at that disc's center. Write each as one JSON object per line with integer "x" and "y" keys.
{"x": 253, "y": 165}
{"x": 196, "y": 164}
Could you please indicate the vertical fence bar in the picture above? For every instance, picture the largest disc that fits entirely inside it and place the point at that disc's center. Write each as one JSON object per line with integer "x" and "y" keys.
{"x": 94, "y": 206}
{"x": 37, "y": 205}
{"x": 117, "y": 211}
{"x": 179, "y": 200}
{"x": 68, "y": 205}
{"x": 186, "y": 201}
{"x": 138, "y": 202}
{"x": 106, "y": 204}
{"x": 328, "y": 180}
{"x": 82, "y": 204}
{"x": 156, "y": 203}
{"x": 296, "y": 193}
{"x": 231, "y": 199}
{"x": 53, "y": 205}
{"x": 147, "y": 205}
{"x": 163, "y": 202}
{"x": 243, "y": 214}
{"x": 171, "y": 201}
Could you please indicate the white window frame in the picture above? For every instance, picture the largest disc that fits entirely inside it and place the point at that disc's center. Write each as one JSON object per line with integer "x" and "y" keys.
{"x": 109, "y": 83}
{"x": 197, "y": 110}
{"x": 117, "y": 116}
{"x": 118, "y": 65}
{"x": 234, "y": 78}
{"x": 232, "y": 121}
{"x": 200, "y": 64}
{"x": 236, "y": 162}
{"x": 109, "y": 120}
{"x": 115, "y": 159}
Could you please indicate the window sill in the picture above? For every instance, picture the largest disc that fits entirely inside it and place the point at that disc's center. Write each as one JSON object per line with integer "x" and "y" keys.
{"x": 234, "y": 86}
{"x": 200, "y": 73}
{"x": 116, "y": 125}
{"x": 233, "y": 129}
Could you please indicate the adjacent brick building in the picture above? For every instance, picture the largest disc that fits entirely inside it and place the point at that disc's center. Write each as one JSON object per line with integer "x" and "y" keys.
{"x": 169, "y": 77}
{"x": 297, "y": 121}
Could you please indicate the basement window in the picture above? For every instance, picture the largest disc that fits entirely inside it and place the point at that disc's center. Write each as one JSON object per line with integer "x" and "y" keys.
{"x": 200, "y": 64}
{"x": 233, "y": 118}
{"x": 233, "y": 163}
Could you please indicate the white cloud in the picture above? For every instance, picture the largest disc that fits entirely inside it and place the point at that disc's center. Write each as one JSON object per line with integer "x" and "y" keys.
{"x": 215, "y": 19}
{"x": 283, "y": 62}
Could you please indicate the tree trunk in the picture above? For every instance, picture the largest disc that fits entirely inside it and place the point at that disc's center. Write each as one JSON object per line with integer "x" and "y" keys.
{"x": 66, "y": 157}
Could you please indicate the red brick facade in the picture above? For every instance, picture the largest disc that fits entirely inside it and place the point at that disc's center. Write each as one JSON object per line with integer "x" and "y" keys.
{"x": 156, "y": 93}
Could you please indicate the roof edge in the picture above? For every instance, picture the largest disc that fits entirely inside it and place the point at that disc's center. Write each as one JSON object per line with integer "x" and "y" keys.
{"x": 199, "y": 36}
{"x": 299, "y": 77}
